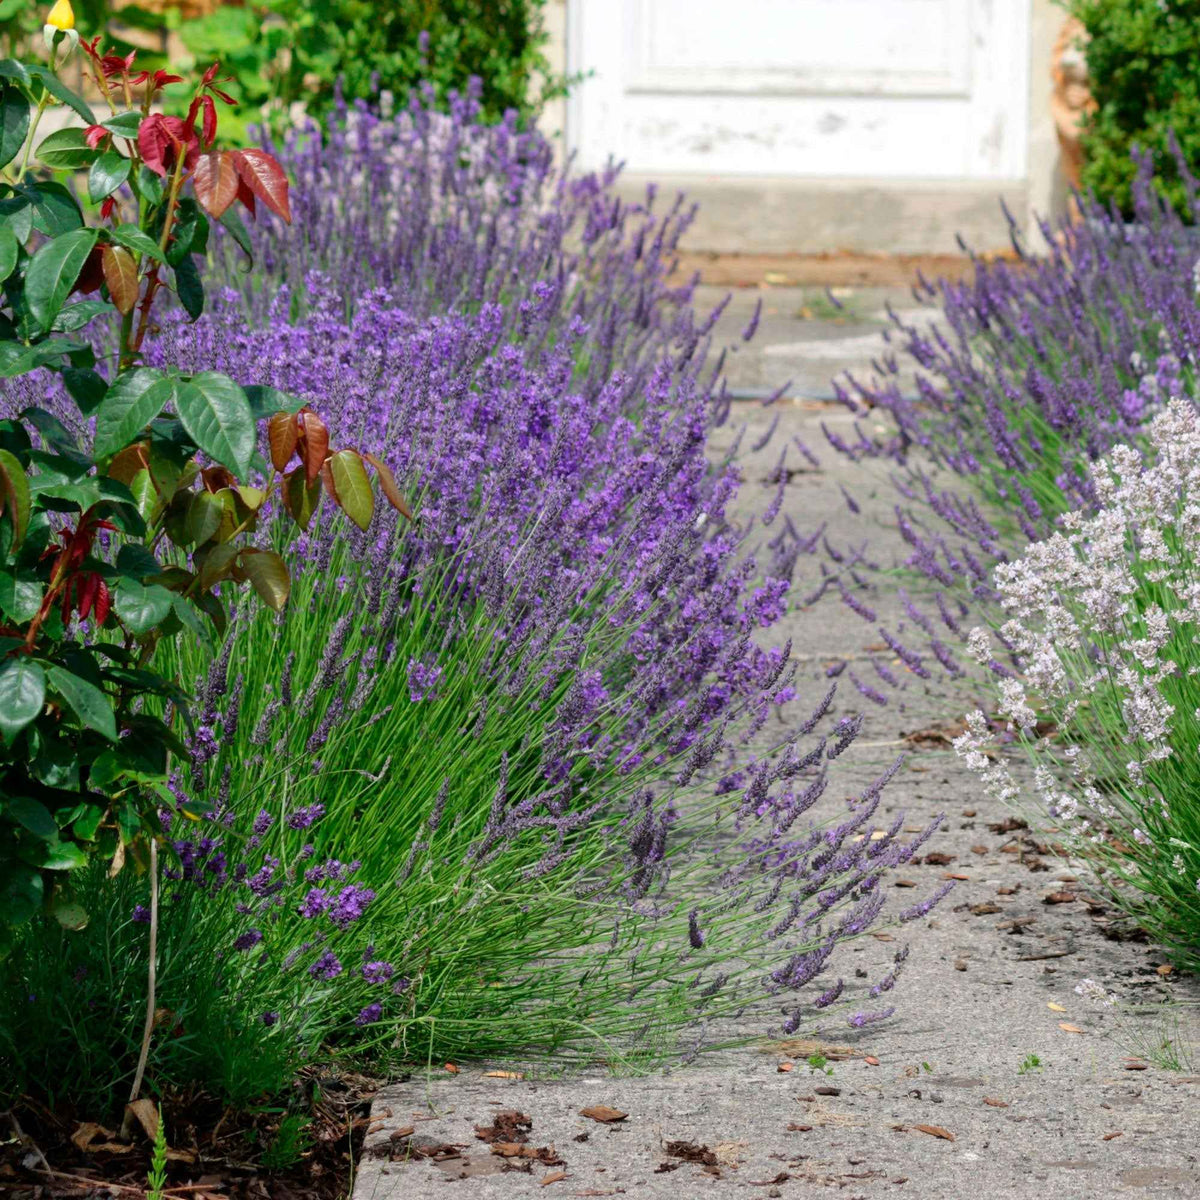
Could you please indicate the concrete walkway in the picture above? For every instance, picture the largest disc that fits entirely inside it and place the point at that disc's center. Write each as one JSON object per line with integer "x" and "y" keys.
{"x": 945, "y": 1100}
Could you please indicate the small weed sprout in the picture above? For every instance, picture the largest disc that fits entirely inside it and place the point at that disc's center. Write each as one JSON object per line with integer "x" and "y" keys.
{"x": 1030, "y": 1065}
{"x": 819, "y": 1064}
{"x": 292, "y": 1141}
{"x": 156, "y": 1180}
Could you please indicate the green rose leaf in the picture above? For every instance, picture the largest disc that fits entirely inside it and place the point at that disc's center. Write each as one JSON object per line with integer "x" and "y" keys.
{"x": 353, "y": 487}
{"x": 133, "y": 400}
{"x": 31, "y": 815}
{"x": 22, "y": 694}
{"x": 9, "y": 67}
{"x": 10, "y": 250}
{"x": 53, "y": 271}
{"x": 136, "y": 561}
{"x": 20, "y": 597}
{"x": 67, "y": 150}
{"x": 140, "y": 607}
{"x": 21, "y": 893}
{"x": 124, "y": 124}
{"x": 53, "y": 210}
{"x": 88, "y": 702}
{"x": 62, "y": 856}
{"x": 236, "y": 227}
{"x": 14, "y": 495}
{"x": 76, "y": 316}
{"x": 266, "y": 400}
{"x": 14, "y": 122}
{"x": 60, "y": 91}
{"x": 189, "y": 287}
{"x": 86, "y": 387}
{"x": 107, "y": 174}
{"x": 132, "y": 238}
{"x": 217, "y": 416}
{"x": 268, "y": 575}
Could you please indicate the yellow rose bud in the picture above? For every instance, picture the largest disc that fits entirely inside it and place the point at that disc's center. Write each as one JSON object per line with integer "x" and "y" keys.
{"x": 61, "y": 16}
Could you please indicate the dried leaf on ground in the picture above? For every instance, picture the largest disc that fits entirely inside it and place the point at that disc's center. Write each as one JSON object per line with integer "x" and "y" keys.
{"x": 691, "y": 1152}
{"x": 452, "y": 1068}
{"x": 543, "y": 1154}
{"x": 807, "y": 1047}
{"x": 508, "y": 1125}
{"x": 1068, "y": 1028}
{"x": 729, "y": 1153}
{"x": 934, "y": 735}
{"x": 1108, "y": 1137}
{"x": 1060, "y": 898}
{"x": 146, "y": 1113}
{"x": 503, "y": 1075}
{"x": 603, "y": 1113}
{"x": 938, "y": 859}
{"x": 994, "y": 1102}
{"x": 1008, "y": 825}
{"x": 85, "y": 1137}
{"x": 1055, "y": 1007}
{"x": 935, "y": 1131}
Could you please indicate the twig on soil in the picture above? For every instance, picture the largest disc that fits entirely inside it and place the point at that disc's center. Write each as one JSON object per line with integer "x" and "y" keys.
{"x": 1046, "y": 954}
{"x": 26, "y": 1140}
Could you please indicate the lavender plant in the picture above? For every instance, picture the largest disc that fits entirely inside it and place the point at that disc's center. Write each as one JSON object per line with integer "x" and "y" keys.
{"x": 1035, "y": 370}
{"x": 1103, "y": 616}
{"x": 537, "y": 725}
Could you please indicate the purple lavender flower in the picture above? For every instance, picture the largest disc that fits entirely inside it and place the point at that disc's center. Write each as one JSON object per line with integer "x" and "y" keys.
{"x": 349, "y": 905}
{"x": 326, "y": 967}
{"x": 377, "y": 972}
{"x": 305, "y": 817}
{"x": 369, "y": 1015}
{"x": 422, "y": 680}
{"x": 860, "y": 1019}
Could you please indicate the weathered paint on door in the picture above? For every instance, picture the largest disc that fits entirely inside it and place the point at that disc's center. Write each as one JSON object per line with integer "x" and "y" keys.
{"x": 880, "y": 89}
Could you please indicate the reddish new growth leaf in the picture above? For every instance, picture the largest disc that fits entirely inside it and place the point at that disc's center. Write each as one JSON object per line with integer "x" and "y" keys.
{"x": 314, "y": 443}
{"x": 265, "y": 178}
{"x": 283, "y": 435}
{"x": 162, "y": 139}
{"x": 215, "y": 181}
{"x": 92, "y": 275}
{"x": 120, "y": 273}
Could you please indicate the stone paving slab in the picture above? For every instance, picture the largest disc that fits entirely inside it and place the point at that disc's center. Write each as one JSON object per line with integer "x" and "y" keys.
{"x": 989, "y": 982}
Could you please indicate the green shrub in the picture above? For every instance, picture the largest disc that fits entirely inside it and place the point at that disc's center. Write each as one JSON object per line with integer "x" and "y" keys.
{"x": 286, "y": 51}
{"x": 1142, "y": 58}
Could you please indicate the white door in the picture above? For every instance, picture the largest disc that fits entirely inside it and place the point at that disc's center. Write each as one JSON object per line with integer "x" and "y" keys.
{"x": 880, "y": 89}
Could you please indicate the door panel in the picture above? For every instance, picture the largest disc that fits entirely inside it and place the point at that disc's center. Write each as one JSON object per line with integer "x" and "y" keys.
{"x": 904, "y": 89}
